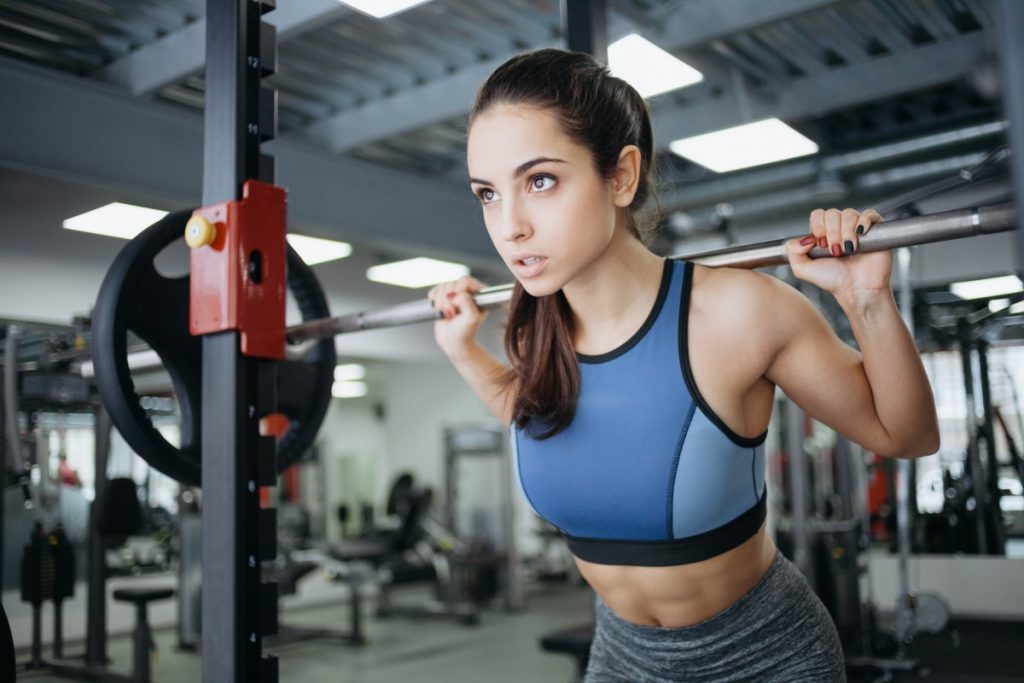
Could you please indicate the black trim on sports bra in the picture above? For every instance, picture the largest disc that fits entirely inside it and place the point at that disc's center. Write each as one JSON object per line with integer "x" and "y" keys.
{"x": 675, "y": 551}
{"x": 666, "y": 280}
{"x": 684, "y": 360}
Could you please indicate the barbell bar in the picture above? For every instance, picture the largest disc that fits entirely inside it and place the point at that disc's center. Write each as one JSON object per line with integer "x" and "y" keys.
{"x": 905, "y": 232}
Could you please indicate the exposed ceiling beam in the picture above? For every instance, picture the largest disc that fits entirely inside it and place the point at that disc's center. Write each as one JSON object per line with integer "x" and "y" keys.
{"x": 730, "y": 187}
{"x": 76, "y": 129}
{"x": 836, "y": 89}
{"x": 693, "y": 24}
{"x": 404, "y": 111}
{"x": 700, "y": 21}
{"x": 183, "y": 53}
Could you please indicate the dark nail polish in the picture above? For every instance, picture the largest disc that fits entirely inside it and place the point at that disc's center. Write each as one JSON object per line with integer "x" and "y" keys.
{"x": 860, "y": 229}
{"x": 822, "y": 242}
{"x": 849, "y": 247}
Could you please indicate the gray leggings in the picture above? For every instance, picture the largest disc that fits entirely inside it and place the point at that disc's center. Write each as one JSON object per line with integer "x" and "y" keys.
{"x": 777, "y": 631}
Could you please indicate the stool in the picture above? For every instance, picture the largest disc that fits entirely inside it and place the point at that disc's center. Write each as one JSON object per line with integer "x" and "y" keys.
{"x": 142, "y": 636}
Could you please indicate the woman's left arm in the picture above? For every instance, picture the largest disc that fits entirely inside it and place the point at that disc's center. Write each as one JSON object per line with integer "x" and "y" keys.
{"x": 879, "y": 397}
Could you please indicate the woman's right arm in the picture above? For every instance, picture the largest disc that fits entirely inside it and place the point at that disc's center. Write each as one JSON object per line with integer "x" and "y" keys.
{"x": 456, "y": 336}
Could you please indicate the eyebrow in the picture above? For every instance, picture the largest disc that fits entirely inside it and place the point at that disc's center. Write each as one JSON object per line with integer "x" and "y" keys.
{"x": 522, "y": 168}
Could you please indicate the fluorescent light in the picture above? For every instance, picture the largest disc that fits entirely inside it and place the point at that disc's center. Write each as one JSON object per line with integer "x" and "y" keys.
{"x": 996, "y": 305}
{"x": 348, "y": 372}
{"x": 382, "y": 8}
{"x": 647, "y": 67}
{"x": 417, "y": 272}
{"x": 750, "y": 144}
{"x": 314, "y": 250}
{"x": 115, "y": 220}
{"x": 348, "y": 389}
{"x": 982, "y": 289}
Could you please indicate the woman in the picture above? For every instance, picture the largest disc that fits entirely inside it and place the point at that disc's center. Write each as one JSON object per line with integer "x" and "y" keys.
{"x": 640, "y": 389}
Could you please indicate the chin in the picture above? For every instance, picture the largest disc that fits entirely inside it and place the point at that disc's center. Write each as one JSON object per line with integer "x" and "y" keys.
{"x": 538, "y": 288}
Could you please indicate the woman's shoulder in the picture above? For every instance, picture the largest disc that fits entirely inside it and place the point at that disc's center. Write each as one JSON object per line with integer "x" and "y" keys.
{"x": 731, "y": 289}
{"x": 738, "y": 301}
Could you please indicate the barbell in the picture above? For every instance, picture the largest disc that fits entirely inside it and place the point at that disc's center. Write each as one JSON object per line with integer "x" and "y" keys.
{"x": 135, "y": 298}
{"x": 938, "y": 227}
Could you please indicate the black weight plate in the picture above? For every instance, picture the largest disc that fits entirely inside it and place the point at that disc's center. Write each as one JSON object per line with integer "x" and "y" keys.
{"x": 135, "y": 297}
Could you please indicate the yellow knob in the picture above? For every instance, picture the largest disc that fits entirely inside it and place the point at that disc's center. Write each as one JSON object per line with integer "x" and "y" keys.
{"x": 199, "y": 232}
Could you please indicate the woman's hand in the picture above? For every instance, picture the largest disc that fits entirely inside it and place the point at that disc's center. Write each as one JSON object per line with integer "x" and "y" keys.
{"x": 462, "y": 317}
{"x": 848, "y": 274}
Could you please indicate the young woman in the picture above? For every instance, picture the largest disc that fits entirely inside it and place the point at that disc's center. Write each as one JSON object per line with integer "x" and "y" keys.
{"x": 640, "y": 388}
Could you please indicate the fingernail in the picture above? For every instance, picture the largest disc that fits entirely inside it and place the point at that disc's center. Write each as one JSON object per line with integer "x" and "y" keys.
{"x": 849, "y": 246}
{"x": 860, "y": 229}
{"x": 836, "y": 251}
{"x": 451, "y": 295}
{"x": 822, "y": 242}
{"x": 807, "y": 240}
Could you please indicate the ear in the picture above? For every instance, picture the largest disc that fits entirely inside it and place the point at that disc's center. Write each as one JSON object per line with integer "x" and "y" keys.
{"x": 627, "y": 176}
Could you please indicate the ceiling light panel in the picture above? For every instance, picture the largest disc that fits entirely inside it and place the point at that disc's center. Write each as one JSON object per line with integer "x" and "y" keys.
{"x": 648, "y": 68}
{"x": 115, "y": 220}
{"x": 315, "y": 250}
{"x": 382, "y": 8}
{"x": 750, "y": 144}
{"x": 417, "y": 272}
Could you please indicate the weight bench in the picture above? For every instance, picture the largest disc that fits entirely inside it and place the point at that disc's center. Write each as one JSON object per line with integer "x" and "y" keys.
{"x": 394, "y": 558}
{"x": 571, "y": 641}
{"x": 297, "y": 565}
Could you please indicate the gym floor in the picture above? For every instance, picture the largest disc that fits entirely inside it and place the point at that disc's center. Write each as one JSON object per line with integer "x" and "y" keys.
{"x": 503, "y": 648}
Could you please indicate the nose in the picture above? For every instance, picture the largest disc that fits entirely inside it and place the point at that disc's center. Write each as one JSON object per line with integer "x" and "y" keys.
{"x": 515, "y": 224}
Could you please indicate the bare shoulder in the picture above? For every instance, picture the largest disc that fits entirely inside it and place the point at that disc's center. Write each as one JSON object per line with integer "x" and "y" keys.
{"x": 738, "y": 295}
{"x": 748, "y": 311}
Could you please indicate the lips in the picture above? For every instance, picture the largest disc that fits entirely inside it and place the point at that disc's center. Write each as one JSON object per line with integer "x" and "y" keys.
{"x": 523, "y": 270}
{"x": 519, "y": 258}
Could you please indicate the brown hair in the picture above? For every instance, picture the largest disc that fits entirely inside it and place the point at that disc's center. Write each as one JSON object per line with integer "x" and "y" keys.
{"x": 603, "y": 114}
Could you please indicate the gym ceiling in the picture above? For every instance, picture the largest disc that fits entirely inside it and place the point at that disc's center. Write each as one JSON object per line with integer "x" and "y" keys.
{"x": 372, "y": 112}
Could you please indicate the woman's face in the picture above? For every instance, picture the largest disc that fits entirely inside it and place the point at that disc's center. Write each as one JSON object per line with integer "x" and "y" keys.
{"x": 547, "y": 210}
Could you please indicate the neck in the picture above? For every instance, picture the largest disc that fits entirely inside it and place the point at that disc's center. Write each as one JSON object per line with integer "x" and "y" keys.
{"x": 616, "y": 289}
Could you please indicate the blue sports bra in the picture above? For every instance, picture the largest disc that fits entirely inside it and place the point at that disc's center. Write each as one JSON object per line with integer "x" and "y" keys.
{"x": 645, "y": 474}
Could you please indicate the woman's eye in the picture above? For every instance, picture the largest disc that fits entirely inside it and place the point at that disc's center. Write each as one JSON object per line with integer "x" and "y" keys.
{"x": 541, "y": 182}
{"x": 486, "y": 195}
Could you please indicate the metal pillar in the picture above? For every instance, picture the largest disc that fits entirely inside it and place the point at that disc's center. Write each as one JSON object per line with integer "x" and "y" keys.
{"x": 96, "y": 595}
{"x": 586, "y": 27}
{"x": 798, "y": 489}
{"x": 238, "y": 610}
{"x": 990, "y": 463}
{"x": 3, "y": 470}
{"x": 973, "y": 456}
{"x": 12, "y": 442}
{"x": 190, "y": 578}
{"x": 1011, "y": 58}
{"x": 905, "y": 474}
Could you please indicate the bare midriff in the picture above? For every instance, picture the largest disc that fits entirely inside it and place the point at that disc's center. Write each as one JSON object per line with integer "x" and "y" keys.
{"x": 681, "y": 595}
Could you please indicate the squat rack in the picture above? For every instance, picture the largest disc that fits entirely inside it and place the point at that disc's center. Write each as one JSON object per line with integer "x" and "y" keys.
{"x": 238, "y": 609}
